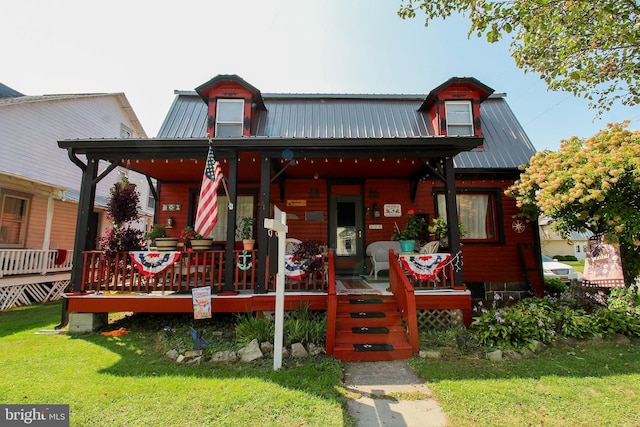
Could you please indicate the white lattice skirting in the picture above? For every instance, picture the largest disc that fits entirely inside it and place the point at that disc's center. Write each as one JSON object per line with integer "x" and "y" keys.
{"x": 19, "y": 291}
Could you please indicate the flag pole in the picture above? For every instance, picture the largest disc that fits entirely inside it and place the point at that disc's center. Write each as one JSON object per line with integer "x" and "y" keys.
{"x": 223, "y": 179}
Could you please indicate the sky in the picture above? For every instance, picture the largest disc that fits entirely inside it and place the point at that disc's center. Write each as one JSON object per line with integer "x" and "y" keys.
{"x": 149, "y": 49}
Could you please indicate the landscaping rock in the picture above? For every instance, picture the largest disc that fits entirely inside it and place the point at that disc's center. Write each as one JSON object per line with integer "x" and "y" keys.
{"x": 194, "y": 361}
{"x": 298, "y": 351}
{"x": 180, "y": 358}
{"x": 285, "y": 353}
{"x": 430, "y": 354}
{"x": 495, "y": 356}
{"x": 315, "y": 350}
{"x": 193, "y": 353}
{"x": 526, "y": 352}
{"x": 251, "y": 352}
{"x": 172, "y": 354}
{"x": 620, "y": 339}
{"x": 513, "y": 355}
{"x": 266, "y": 347}
{"x": 226, "y": 356}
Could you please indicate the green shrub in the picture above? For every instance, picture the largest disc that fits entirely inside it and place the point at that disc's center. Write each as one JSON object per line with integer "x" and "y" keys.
{"x": 301, "y": 326}
{"x": 616, "y": 321}
{"x": 250, "y": 327}
{"x": 554, "y": 286}
{"x": 570, "y": 258}
{"x": 516, "y": 326}
{"x": 572, "y": 323}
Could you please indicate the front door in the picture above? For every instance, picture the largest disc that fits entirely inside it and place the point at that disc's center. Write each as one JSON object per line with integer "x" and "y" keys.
{"x": 346, "y": 233}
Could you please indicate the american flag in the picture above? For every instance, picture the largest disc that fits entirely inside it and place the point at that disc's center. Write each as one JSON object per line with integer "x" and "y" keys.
{"x": 207, "y": 214}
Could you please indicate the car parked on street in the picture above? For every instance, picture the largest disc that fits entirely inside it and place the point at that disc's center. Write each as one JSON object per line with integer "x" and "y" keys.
{"x": 557, "y": 270}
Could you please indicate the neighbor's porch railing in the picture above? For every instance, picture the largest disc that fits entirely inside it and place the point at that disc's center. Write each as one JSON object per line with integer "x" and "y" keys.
{"x": 29, "y": 276}
{"x": 101, "y": 273}
{"x": 34, "y": 261}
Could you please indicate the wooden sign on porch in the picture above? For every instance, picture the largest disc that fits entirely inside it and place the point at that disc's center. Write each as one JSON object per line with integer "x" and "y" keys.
{"x": 299, "y": 203}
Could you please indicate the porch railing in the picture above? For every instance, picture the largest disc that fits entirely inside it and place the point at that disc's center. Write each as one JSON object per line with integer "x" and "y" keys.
{"x": 34, "y": 261}
{"x": 403, "y": 291}
{"x": 101, "y": 273}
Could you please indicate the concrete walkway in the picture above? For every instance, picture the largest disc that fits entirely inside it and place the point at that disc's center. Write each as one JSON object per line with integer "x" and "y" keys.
{"x": 390, "y": 394}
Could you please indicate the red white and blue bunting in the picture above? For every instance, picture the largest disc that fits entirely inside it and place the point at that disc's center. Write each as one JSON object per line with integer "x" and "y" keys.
{"x": 149, "y": 263}
{"x": 425, "y": 266}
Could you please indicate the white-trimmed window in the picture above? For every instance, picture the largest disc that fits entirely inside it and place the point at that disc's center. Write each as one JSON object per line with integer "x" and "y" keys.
{"x": 459, "y": 118}
{"x": 229, "y": 117}
{"x": 14, "y": 211}
{"x": 244, "y": 207}
{"x": 476, "y": 213}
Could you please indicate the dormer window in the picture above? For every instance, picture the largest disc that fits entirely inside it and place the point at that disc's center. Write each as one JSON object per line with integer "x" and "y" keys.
{"x": 459, "y": 118}
{"x": 229, "y": 117}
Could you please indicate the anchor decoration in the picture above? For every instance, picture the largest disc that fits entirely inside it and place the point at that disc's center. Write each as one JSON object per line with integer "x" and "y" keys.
{"x": 243, "y": 264}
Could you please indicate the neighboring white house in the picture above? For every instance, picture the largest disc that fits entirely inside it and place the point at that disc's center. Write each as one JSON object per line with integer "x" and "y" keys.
{"x": 553, "y": 244}
{"x": 39, "y": 186}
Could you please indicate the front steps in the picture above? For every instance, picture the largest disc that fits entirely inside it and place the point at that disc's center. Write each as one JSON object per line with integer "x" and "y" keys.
{"x": 369, "y": 328}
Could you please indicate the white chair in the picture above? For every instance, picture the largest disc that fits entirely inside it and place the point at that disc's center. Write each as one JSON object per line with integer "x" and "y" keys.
{"x": 379, "y": 254}
{"x": 430, "y": 248}
{"x": 291, "y": 245}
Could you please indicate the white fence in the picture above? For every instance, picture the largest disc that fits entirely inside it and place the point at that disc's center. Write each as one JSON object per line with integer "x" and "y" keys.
{"x": 34, "y": 261}
{"x": 30, "y": 276}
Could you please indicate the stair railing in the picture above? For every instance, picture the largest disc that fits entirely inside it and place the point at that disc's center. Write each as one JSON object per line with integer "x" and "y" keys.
{"x": 405, "y": 296}
{"x": 332, "y": 306}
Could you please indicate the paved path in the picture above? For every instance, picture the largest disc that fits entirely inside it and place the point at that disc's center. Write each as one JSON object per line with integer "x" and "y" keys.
{"x": 376, "y": 382}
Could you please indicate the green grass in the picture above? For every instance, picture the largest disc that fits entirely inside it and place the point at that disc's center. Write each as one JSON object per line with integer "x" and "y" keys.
{"x": 587, "y": 384}
{"x": 577, "y": 265}
{"x": 127, "y": 380}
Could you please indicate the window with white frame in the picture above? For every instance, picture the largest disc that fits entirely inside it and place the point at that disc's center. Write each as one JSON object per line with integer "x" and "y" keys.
{"x": 459, "y": 118}
{"x": 13, "y": 220}
{"x": 229, "y": 117}
{"x": 244, "y": 207}
{"x": 476, "y": 213}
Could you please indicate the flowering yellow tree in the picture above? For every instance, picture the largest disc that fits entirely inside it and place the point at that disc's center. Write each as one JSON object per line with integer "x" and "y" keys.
{"x": 589, "y": 184}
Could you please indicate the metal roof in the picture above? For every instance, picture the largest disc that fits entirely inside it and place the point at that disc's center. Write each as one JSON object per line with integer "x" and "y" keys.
{"x": 344, "y": 116}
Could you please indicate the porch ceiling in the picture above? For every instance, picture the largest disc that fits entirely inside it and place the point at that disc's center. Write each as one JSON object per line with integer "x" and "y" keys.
{"x": 183, "y": 160}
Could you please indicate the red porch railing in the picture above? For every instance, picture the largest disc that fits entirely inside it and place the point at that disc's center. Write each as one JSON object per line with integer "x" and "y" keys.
{"x": 193, "y": 270}
{"x": 404, "y": 292}
{"x": 332, "y": 307}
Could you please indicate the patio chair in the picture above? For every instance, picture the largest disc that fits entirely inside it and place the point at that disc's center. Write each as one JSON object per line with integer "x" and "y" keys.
{"x": 430, "y": 248}
{"x": 291, "y": 245}
{"x": 379, "y": 254}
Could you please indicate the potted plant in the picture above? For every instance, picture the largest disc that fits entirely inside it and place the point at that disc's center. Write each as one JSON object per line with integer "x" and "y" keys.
{"x": 308, "y": 256}
{"x": 160, "y": 239}
{"x": 408, "y": 236}
{"x": 122, "y": 208}
{"x": 439, "y": 229}
{"x": 244, "y": 231}
{"x": 195, "y": 240}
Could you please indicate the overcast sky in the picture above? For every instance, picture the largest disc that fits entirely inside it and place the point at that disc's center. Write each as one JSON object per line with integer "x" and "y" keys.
{"x": 148, "y": 49}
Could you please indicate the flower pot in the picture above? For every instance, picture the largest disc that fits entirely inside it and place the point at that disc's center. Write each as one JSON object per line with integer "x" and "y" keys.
{"x": 407, "y": 245}
{"x": 166, "y": 243}
{"x": 201, "y": 244}
{"x": 248, "y": 244}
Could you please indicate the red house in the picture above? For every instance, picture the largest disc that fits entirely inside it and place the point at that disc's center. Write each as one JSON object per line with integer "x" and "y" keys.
{"x": 346, "y": 169}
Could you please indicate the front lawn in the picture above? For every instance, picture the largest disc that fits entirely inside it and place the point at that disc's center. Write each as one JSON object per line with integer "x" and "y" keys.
{"x": 595, "y": 383}
{"x": 127, "y": 380}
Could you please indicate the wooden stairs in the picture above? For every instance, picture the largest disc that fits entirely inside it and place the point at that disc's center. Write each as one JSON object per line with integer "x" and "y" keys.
{"x": 369, "y": 328}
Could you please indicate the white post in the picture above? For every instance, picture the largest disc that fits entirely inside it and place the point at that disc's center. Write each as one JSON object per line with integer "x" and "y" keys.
{"x": 279, "y": 225}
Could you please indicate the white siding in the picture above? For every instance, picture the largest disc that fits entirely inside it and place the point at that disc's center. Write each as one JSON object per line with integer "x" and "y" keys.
{"x": 30, "y": 131}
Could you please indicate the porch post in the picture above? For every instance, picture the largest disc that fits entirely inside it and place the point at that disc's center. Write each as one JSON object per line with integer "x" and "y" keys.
{"x": 231, "y": 225}
{"x": 85, "y": 209}
{"x": 263, "y": 237}
{"x": 452, "y": 214}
